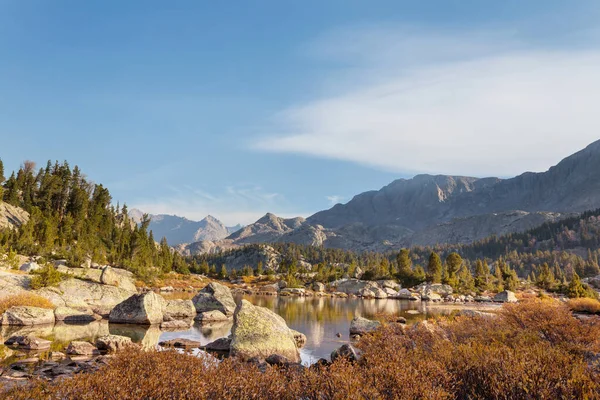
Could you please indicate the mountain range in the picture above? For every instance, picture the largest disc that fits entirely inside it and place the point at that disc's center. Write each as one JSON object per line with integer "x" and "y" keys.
{"x": 180, "y": 230}
{"x": 431, "y": 209}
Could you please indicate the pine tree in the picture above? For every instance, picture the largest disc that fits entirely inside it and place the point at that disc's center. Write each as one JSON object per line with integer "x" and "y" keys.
{"x": 499, "y": 278}
{"x": 223, "y": 273}
{"x": 576, "y": 289}
{"x": 482, "y": 276}
{"x": 434, "y": 268}
{"x": 405, "y": 272}
{"x": 453, "y": 264}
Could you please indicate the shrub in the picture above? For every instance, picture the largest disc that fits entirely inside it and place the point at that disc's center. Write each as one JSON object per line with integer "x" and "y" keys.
{"x": 585, "y": 305}
{"x": 46, "y": 276}
{"x": 24, "y": 299}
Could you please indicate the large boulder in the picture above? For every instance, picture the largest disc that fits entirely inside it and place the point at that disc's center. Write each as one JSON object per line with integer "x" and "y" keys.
{"x": 76, "y": 293}
{"x": 259, "y": 332}
{"x": 24, "y": 315}
{"x": 506, "y": 297}
{"x": 426, "y": 289}
{"x": 117, "y": 277}
{"x": 143, "y": 309}
{"x": 178, "y": 309}
{"x": 214, "y": 297}
{"x": 363, "y": 326}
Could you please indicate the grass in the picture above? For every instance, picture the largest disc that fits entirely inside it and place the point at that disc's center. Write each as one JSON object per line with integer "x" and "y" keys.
{"x": 584, "y": 305}
{"x": 535, "y": 350}
{"x": 24, "y": 299}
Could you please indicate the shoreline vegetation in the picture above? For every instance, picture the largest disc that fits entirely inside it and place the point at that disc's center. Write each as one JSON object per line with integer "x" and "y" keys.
{"x": 533, "y": 349}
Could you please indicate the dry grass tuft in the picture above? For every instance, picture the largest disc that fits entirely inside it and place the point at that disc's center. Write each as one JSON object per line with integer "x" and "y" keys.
{"x": 584, "y": 305}
{"x": 24, "y": 299}
{"x": 535, "y": 350}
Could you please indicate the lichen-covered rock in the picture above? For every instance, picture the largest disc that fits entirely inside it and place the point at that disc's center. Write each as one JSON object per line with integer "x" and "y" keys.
{"x": 67, "y": 314}
{"x": 214, "y": 297}
{"x": 212, "y": 316}
{"x": 178, "y": 309}
{"x": 24, "y": 315}
{"x": 80, "y": 348}
{"x": 117, "y": 277}
{"x": 143, "y": 309}
{"x": 113, "y": 343}
{"x": 76, "y": 293}
{"x": 506, "y": 297}
{"x": 363, "y": 326}
{"x": 259, "y": 332}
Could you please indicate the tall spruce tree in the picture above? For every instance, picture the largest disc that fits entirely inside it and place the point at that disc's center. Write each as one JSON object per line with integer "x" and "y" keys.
{"x": 434, "y": 268}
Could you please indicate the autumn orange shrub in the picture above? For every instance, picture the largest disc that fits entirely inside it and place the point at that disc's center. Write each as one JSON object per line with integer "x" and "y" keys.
{"x": 585, "y": 305}
{"x": 24, "y": 299}
{"x": 535, "y": 350}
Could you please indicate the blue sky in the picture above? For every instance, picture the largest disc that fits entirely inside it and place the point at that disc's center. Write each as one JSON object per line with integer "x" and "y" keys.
{"x": 236, "y": 109}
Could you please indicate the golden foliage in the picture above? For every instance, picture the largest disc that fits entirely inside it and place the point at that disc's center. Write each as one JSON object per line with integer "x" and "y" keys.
{"x": 24, "y": 299}
{"x": 585, "y": 305}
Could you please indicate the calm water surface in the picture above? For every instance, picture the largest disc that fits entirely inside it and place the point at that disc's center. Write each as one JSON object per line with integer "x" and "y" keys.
{"x": 320, "y": 319}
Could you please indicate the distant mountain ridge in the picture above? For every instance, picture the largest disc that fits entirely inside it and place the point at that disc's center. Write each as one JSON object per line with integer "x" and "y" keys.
{"x": 180, "y": 230}
{"x": 430, "y": 209}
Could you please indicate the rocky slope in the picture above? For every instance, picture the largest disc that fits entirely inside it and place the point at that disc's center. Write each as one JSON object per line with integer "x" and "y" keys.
{"x": 12, "y": 217}
{"x": 431, "y": 209}
{"x": 180, "y": 230}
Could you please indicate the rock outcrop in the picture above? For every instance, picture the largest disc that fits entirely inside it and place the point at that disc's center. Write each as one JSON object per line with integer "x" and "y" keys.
{"x": 81, "y": 348}
{"x": 259, "y": 332}
{"x": 506, "y": 297}
{"x": 24, "y": 315}
{"x": 214, "y": 297}
{"x": 178, "y": 309}
{"x": 76, "y": 293}
{"x": 113, "y": 343}
{"x": 143, "y": 309}
{"x": 12, "y": 217}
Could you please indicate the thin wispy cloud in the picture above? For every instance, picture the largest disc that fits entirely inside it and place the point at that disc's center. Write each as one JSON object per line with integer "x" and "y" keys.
{"x": 334, "y": 199}
{"x": 470, "y": 103}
